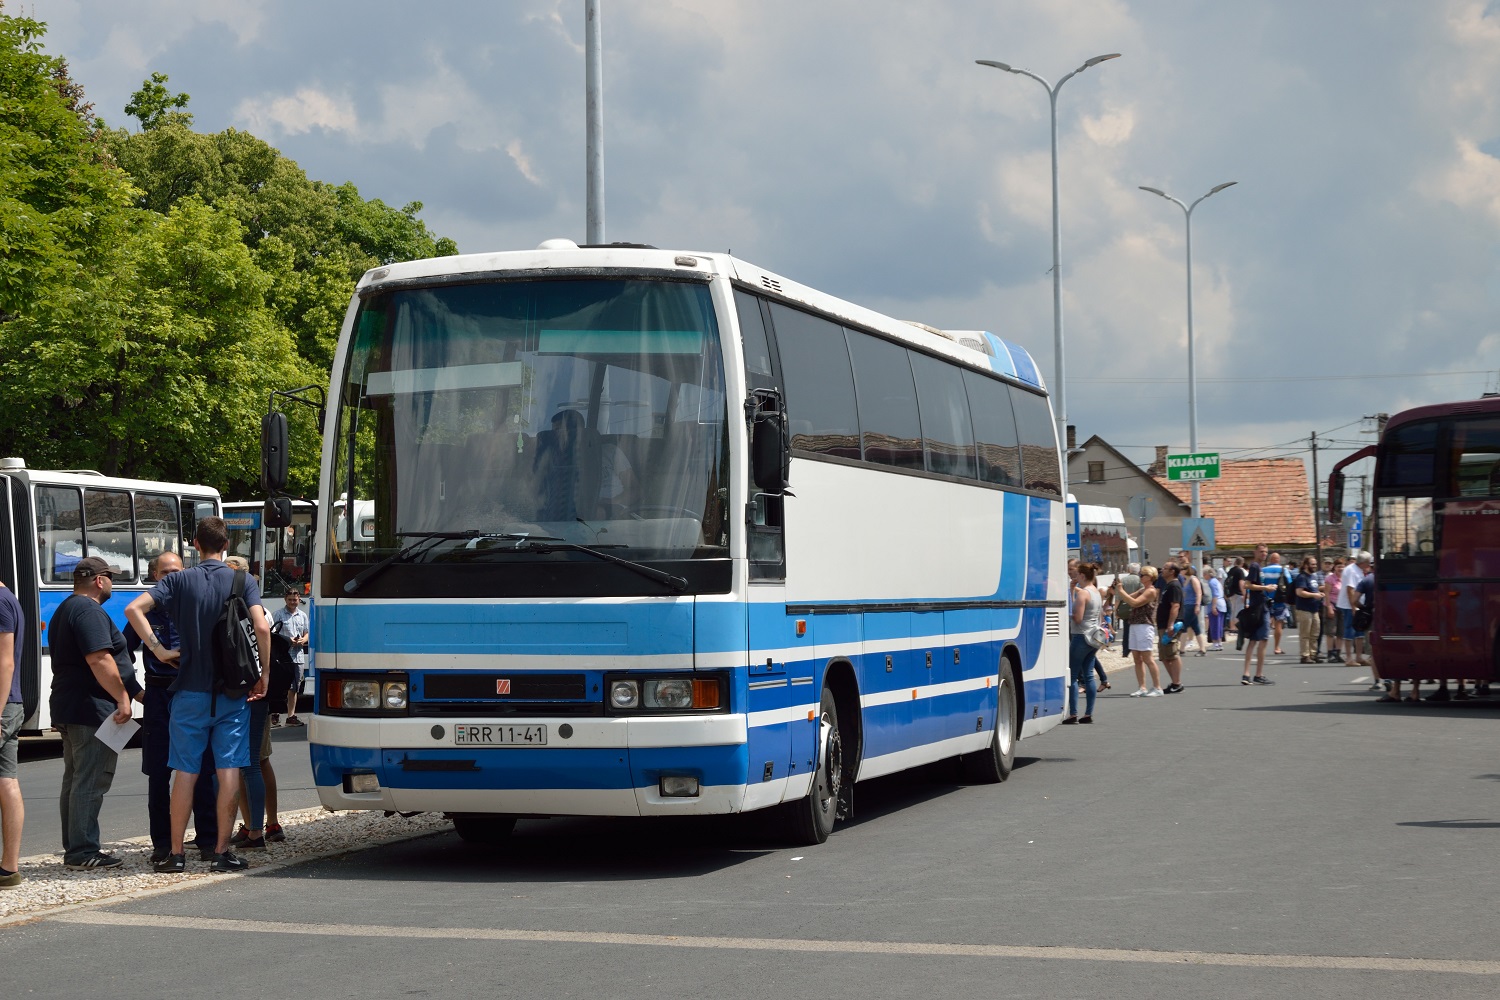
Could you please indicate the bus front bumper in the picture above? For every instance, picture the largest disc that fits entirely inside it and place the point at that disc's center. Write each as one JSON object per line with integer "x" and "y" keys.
{"x": 601, "y": 767}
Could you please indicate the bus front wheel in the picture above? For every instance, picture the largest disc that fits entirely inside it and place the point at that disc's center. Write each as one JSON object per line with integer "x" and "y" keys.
{"x": 484, "y": 830}
{"x": 810, "y": 820}
{"x": 993, "y": 764}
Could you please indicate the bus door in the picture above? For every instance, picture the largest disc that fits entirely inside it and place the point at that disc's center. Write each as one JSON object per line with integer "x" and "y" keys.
{"x": 1469, "y": 552}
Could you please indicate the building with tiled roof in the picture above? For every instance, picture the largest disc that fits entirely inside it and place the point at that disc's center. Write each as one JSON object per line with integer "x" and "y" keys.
{"x": 1254, "y": 500}
{"x": 1099, "y": 474}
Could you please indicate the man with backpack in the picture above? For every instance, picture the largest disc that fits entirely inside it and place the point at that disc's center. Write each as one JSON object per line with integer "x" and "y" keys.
{"x": 218, "y": 613}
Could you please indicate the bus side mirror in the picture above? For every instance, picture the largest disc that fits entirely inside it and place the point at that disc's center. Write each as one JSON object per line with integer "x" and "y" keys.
{"x": 1336, "y": 498}
{"x": 277, "y": 513}
{"x": 273, "y": 457}
{"x": 769, "y": 448}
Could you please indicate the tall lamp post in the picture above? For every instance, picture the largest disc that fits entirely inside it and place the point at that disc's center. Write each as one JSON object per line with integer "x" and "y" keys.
{"x": 1187, "y": 214}
{"x": 1060, "y": 390}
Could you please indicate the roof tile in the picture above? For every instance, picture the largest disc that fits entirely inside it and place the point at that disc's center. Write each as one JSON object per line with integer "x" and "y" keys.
{"x": 1256, "y": 500}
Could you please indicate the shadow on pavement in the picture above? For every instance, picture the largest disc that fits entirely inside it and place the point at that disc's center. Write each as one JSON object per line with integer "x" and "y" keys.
{"x": 1368, "y": 705}
{"x": 588, "y": 849}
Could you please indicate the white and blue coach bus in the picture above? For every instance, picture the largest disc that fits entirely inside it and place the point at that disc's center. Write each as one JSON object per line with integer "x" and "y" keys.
{"x": 659, "y": 533}
{"x": 50, "y": 520}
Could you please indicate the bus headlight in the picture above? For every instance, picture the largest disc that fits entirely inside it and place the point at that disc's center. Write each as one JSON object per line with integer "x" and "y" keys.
{"x": 360, "y": 696}
{"x": 364, "y": 694}
{"x": 624, "y": 694}
{"x": 669, "y": 692}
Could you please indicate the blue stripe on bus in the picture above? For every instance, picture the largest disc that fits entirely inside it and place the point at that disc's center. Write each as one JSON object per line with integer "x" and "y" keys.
{"x": 525, "y": 768}
{"x": 1025, "y": 367}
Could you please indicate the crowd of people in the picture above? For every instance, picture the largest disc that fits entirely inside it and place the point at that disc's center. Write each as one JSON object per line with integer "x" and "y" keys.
{"x": 1159, "y": 615}
{"x": 205, "y": 749}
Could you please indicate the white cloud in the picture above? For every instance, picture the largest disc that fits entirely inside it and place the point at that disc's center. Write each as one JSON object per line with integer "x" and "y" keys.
{"x": 518, "y": 156}
{"x": 297, "y": 113}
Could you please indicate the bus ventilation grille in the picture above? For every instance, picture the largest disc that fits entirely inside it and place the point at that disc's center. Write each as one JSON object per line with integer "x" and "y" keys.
{"x": 770, "y": 283}
{"x": 1054, "y": 623}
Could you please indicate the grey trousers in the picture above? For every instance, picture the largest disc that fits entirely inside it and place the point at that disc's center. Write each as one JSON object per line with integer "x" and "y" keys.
{"x": 88, "y": 771}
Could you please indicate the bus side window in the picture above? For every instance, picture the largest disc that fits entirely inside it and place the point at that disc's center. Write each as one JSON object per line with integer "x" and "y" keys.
{"x": 59, "y": 524}
{"x": 994, "y": 429}
{"x": 1039, "y": 468}
{"x": 819, "y": 383}
{"x": 155, "y": 529}
{"x": 109, "y": 533}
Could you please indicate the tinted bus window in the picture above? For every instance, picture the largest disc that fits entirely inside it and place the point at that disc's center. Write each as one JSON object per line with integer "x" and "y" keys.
{"x": 1476, "y": 457}
{"x": 1409, "y": 455}
{"x": 947, "y": 434}
{"x": 1039, "y": 466}
{"x": 752, "y": 333}
{"x": 890, "y": 430}
{"x": 994, "y": 429}
{"x": 819, "y": 383}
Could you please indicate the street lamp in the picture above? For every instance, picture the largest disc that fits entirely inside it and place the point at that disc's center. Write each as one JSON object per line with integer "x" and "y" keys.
{"x": 1059, "y": 391}
{"x": 1187, "y": 214}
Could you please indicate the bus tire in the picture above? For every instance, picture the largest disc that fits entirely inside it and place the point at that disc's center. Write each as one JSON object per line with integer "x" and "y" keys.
{"x": 484, "y": 830}
{"x": 810, "y": 820}
{"x": 994, "y": 763}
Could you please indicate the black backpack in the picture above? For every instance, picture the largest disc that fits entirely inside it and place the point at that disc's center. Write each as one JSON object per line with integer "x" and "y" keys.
{"x": 235, "y": 648}
{"x": 1286, "y": 587}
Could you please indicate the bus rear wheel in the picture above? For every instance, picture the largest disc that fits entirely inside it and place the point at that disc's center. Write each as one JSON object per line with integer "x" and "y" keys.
{"x": 810, "y": 820}
{"x": 484, "y": 830}
{"x": 994, "y": 763}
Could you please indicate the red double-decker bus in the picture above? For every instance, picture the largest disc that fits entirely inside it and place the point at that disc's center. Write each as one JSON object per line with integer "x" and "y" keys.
{"x": 1436, "y": 541}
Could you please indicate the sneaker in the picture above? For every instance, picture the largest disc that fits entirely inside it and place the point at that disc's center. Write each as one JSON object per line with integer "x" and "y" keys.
{"x": 292, "y": 720}
{"x": 229, "y": 862}
{"x": 170, "y": 864}
{"x": 1154, "y": 693}
{"x": 1174, "y": 689}
{"x": 253, "y": 844}
{"x": 1087, "y": 720}
{"x": 274, "y": 834}
{"x": 240, "y": 838}
{"x": 1245, "y": 679}
{"x": 275, "y": 722}
{"x": 1138, "y": 694}
{"x": 98, "y": 860}
{"x": 10, "y": 880}
{"x": 1377, "y": 686}
{"x": 1071, "y": 720}
{"x": 1264, "y": 680}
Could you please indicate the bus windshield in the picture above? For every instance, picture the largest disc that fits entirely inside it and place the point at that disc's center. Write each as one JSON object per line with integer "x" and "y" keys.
{"x": 590, "y": 411}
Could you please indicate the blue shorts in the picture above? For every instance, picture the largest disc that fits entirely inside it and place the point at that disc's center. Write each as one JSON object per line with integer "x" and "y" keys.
{"x": 193, "y": 730}
{"x": 1348, "y": 622}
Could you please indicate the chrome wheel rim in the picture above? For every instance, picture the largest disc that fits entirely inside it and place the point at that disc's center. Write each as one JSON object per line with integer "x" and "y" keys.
{"x": 1005, "y": 719}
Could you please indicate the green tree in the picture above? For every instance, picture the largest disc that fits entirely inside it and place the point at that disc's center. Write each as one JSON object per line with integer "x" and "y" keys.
{"x": 154, "y": 105}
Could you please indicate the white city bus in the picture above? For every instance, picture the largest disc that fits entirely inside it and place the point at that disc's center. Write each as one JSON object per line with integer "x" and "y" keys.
{"x": 663, "y": 533}
{"x": 51, "y": 520}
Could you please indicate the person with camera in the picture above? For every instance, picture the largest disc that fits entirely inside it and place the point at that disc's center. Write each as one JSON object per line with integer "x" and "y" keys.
{"x": 290, "y": 623}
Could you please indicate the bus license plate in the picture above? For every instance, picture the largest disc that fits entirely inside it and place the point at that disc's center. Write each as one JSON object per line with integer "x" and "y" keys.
{"x": 500, "y": 736}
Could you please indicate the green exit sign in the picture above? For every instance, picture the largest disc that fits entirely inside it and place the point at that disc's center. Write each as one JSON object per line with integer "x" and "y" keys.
{"x": 1182, "y": 468}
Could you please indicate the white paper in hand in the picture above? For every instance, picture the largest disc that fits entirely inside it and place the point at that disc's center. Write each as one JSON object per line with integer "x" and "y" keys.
{"x": 116, "y": 734}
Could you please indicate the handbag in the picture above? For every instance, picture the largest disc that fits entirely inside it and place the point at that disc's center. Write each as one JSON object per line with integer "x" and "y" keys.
{"x": 1248, "y": 619}
{"x": 1098, "y": 636}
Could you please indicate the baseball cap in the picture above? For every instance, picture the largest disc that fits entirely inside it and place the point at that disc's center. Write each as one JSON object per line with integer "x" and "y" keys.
{"x": 92, "y": 566}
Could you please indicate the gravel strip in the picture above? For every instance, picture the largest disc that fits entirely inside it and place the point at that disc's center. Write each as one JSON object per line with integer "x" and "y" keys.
{"x": 310, "y": 834}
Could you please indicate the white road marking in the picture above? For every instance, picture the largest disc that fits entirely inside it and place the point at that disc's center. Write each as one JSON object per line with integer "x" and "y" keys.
{"x": 916, "y": 948}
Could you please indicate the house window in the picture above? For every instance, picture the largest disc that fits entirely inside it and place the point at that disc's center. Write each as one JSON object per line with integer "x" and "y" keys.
{"x": 1096, "y": 472}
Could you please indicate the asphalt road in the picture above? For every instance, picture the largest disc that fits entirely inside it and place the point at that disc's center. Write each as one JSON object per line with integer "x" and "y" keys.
{"x": 1294, "y": 840}
{"x": 124, "y": 811}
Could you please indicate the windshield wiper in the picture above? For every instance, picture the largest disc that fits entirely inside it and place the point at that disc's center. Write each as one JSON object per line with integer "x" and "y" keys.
{"x": 545, "y": 544}
{"x": 425, "y": 540}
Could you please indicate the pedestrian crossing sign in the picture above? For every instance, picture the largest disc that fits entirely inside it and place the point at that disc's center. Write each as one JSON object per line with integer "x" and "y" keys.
{"x": 1198, "y": 533}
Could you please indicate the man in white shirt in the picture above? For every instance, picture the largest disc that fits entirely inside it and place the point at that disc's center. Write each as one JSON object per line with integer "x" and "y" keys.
{"x": 1353, "y": 648}
{"x": 290, "y": 622}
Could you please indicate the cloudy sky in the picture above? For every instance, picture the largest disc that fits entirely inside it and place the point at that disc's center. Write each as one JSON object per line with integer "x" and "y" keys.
{"x": 855, "y": 146}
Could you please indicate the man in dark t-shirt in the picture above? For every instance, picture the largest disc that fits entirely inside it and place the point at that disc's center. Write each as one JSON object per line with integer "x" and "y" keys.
{"x": 12, "y": 714}
{"x": 93, "y": 679}
{"x": 1258, "y": 611}
{"x": 1168, "y": 610}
